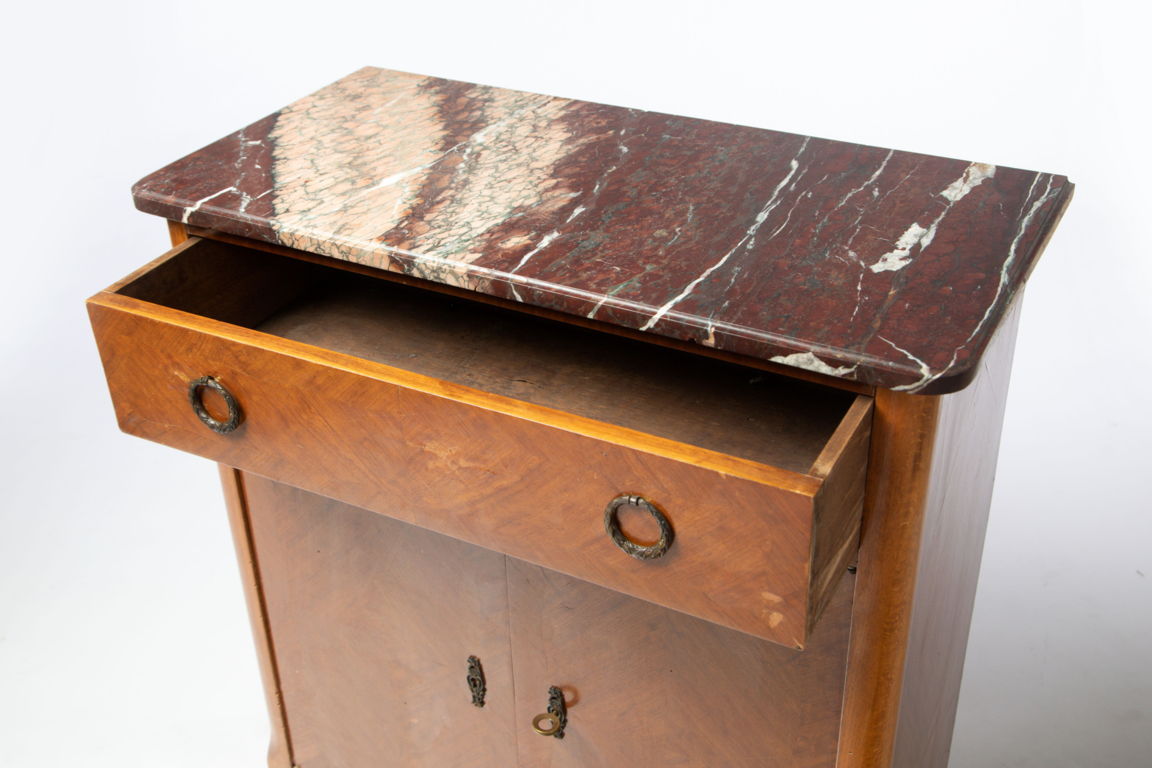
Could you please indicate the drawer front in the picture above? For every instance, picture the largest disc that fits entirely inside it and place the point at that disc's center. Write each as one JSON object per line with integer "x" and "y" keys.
{"x": 755, "y": 548}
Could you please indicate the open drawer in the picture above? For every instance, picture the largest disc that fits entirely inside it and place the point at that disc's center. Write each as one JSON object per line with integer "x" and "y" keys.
{"x": 721, "y": 491}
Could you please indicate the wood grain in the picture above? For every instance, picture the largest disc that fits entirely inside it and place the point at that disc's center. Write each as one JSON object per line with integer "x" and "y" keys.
{"x": 157, "y": 304}
{"x": 689, "y": 399}
{"x": 368, "y": 434}
{"x": 951, "y": 546}
{"x": 649, "y": 687}
{"x": 742, "y": 549}
{"x": 903, "y": 429}
{"x": 177, "y": 232}
{"x": 844, "y": 467}
{"x": 930, "y": 479}
{"x": 686, "y": 398}
{"x": 280, "y": 745}
{"x": 220, "y": 281}
{"x": 374, "y": 621}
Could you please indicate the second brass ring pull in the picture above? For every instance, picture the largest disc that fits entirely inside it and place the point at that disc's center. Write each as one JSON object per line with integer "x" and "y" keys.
{"x": 556, "y": 716}
{"x": 638, "y": 551}
{"x": 196, "y": 398}
{"x": 552, "y": 727}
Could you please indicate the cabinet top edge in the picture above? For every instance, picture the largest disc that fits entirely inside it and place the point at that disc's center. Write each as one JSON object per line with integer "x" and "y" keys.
{"x": 884, "y": 267}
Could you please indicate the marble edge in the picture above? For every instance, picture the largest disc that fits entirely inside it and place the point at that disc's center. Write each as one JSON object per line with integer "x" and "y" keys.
{"x": 964, "y": 374}
{"x": 810, "y": 357}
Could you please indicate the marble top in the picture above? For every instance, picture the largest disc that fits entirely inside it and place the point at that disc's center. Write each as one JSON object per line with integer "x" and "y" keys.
{"x": 891, "y": 268}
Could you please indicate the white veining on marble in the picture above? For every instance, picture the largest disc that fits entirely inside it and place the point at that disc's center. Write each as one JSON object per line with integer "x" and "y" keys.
{"x": 900, "y": 256}
{"x": 871, "y": 180}
{"x": 1022, "y": 227}
{"x": 576, "y": 212}
{"x": 974, "y": 176}
{"x": 859, "y": 284}
{"x": 196, "y": 206}
{"x": 596, "y": 307}
{"x": 241, "y": 160}
{"x": 610, "y": 294}
{"x": 916, "y": 235}
{"x": 465, "y": 147}
{"x": 788, "y": 218}
{"x": 810, "y": 362}
{"x": 348, "y": 186}
{"x": 926, "y": 374}
{"x": 749, "y": 235}
{"x": 544, "y": 243}
{"x": 862, "y": 210}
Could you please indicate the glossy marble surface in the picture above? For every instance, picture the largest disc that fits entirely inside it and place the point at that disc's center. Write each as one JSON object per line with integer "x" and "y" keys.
{"x": 891, "y": 268}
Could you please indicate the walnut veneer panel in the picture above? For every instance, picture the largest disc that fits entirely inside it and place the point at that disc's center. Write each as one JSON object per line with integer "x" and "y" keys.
{"x": 887, "y": 267}
{"x": 649, "y": 687}
{"x": 372, "y": 622}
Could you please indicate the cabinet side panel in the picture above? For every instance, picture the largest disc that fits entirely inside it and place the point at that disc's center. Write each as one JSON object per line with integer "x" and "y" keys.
{"x": 374, "y": 622}
{"x": 280, "y": 746}
{"x": 951, "y": 546}
{"x": 646, "y": 686}
{"x": 932, "y": 462}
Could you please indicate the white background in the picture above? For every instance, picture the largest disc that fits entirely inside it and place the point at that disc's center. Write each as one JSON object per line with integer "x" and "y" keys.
{"x": 123, "y": 637}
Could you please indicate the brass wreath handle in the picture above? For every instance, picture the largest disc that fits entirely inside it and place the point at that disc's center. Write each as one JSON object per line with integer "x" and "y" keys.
{"x": 196, "y": 397}
{"x": 638, "y": 551}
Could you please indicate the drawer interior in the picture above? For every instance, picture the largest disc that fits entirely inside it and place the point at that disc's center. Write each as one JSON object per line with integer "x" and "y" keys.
{"x": 696, "y": 400}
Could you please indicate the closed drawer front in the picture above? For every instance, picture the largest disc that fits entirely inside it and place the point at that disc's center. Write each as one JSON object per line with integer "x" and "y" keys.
{"x": 501, "y": 429}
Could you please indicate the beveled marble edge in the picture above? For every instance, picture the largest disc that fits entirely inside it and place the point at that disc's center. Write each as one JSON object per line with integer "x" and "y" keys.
{"x": 285, "y": 180}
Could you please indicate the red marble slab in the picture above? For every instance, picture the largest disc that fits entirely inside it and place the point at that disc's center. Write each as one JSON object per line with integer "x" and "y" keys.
{"x": 891, "y": 268}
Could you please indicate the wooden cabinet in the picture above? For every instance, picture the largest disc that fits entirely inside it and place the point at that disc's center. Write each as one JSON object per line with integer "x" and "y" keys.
{"x": 330, "y": 387}
{"x": 482, "y": 403}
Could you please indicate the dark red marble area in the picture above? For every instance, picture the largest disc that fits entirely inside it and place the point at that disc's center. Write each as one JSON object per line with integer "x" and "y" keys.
{"x": 242, "y": 159}
{"x": 886, "y": 267}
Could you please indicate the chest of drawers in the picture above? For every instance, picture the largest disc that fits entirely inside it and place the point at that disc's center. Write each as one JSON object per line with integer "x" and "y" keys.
{"x": 560, "y": 434}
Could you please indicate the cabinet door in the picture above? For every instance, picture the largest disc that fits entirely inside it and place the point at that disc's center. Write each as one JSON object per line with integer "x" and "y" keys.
{"x": 647, "y": 686}
{"x": 372, "y": 624}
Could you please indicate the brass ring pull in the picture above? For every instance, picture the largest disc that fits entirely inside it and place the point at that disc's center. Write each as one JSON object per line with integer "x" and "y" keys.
{"x": 552, "y": 727}
{"x": 196, "y": 397}
{"x": 555, "y": 720}
{"x": 638, "y": 551}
